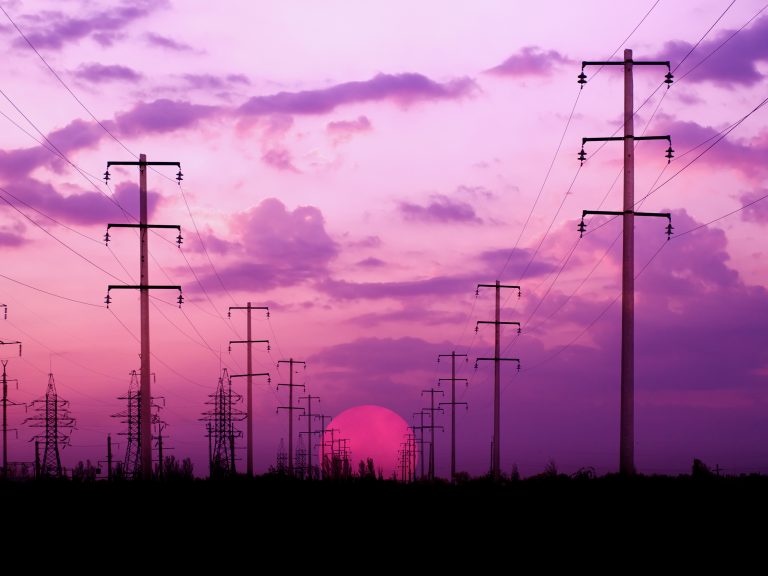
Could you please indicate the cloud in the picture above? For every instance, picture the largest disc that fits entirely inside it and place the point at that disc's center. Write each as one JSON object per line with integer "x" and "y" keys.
{"x": 84, "y": 207}
{"x": 159, "y": 41}
{"x": 440, "y": 209}
{"x": 18, "y": 163}
{"x": 515, "y": 261}
{"x": 342, "y": 130}
{"x": 11, "y": 239}
{"x": 415, "y": 316}
{"x": 56, "y": 29}
{"x": 162, "y": 115}
{"x": 440, "y": 285}
{"x": 747, "y": 157}
{"x": 371, "y": 262}
{"x": 279, "y": 158}
{"x": 758, "y": 210}
{"x": 279, "y": 248}
{"x": 732, "y": 66}
{"x": 530, "y": 61}
{"x": 213, "y": 82}
{"x": 98, "y": 73}
{"x": 403, "y": 89}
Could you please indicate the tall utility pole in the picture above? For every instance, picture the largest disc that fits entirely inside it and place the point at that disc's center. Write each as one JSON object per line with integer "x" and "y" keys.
{"x": 145, "y": 404}
{"x": 322, "y": 418}
{"x": 497, "y": 360}
{"x": 453, "y": 405}
{"x": 249, "y": 390}
{"x": 432, "y": 409}
{"x": 627, "y": 426}
{"x": 249, "y": 400}
{"x": 420, "y": 441}
{"x": 7, "y": 403}
{"x": 54, "y": 416}
{"x": 308, "y": 415}
{"x": 291, "y": 406}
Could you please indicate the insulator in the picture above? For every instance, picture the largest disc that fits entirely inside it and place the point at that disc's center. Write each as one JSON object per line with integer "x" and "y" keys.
{"x": 519, "y": 330}
{"x": 107, "y": 299}
{"x": 438, "y": 358}
{"x": 106, "y": 237}
{"x": 180, "y": 300}
{"x": 267, "y": 313}
{"x": 475, "y": 365}
{"x": 179, "y": 177}
{"x": 581, "y": 228}
{"x": 518, "y": 366}
{"x": 669, "y": 230}
{"x": 582, "y": 78}
{"x": 670, "y": 154}
{"x": 668, "y": 78}
{"x": 179, "y": 239}
{"x": 582, "y": 156}
{"x": 477, "y": 329}
{"x": 477, "y": 292}
{"x": 106, "y": 177}
{"x": 229, "y": 348}
{"x": 268, "y": 348}
{"x": 229, "y": 313}
{"x": 269, "y": 380}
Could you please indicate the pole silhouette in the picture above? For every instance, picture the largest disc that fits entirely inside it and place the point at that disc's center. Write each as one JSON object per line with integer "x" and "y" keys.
{"x": 453, "y": 405}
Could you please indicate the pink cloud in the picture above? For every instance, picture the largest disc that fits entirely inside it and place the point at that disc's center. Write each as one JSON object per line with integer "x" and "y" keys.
{"x": 162, "y": 115}
{"x": 440, "y": 209}
{"x": 215, "y": 82}
{"x": 730, "y": 152}
{"x": 279, "y": 247}
{"x": 11, "y": 239}
{"x": 401, "y": 88}
{"x": 371, "y": 262}
{"x": 735, "y": 64}
{"x": 81, "y": 208}
{"x": 757, "y": 212}
{"x": 342, "y": 130}
{"x": 55, "y": 29}
{"x": 530, "y": 61}
{"x": 98, "y": 73}
{"x": 279, "y": 158}
{"x": 167, "y": 43}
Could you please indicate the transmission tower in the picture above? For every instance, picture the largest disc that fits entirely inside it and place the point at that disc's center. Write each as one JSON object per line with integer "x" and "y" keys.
{"x": 291, "y": 408}
{"x": 222, "y": 432}
{"x": 54, "y": 416}
{"x": 300, "y": 466}
{"x": 131, "y": 417}
{"x": 282, "y": 458}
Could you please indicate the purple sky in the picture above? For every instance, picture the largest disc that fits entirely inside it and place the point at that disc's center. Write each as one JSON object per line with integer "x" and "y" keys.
{"x": 360, "y": 168}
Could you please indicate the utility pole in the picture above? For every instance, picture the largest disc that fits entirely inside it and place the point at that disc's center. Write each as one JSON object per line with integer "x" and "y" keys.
{"x": 322, "y": 418}
{"x": 497, "y": 360}
{"x": 627, "y": 426}
{"x": 421, "y": 441}
{"x": 7, "y": 403}
{"x": 308, "y": 415}
{"x": 249, "y": 368}
{"x": 291, "y": 407}
{"x": 432, "y": 409}
{"x": 333, "y": 468}
{"x": 453, "y": 405}
{"x": 249, "y": 393}
{"x": 109, "y": 457}
{"x": 145, "y": 404}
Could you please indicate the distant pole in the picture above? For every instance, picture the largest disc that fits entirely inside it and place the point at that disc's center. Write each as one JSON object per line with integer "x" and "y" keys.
{"x": 308, "y": 415}
{"x": 627, "y": 402}
{"x": 5, "y": 420}
{"x": 210, "y": 450}
{"x": 291, "y": 407}
{"x": 249, "y": 386}
{"x": 322, "y": 418}
{"x": 453, "y": 405}
{"x": 37, "y": 458}
{"x": 497, "y": 359}
{"x": 109, "y": 457}
{"x": 432, "y": 409}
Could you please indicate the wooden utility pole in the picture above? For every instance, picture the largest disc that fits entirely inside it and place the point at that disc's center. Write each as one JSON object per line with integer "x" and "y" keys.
{"x": 497, "y": 360}
{"x": 145, "y": 400}
{"x": 291, "y": 406}
{"x": 249, "y": 386}
{"x": 627, "y": 408}
{"x": 453, "y": 405}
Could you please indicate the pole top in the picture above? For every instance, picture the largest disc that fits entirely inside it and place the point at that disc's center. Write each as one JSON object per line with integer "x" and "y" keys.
{"x": 627, "y": 54}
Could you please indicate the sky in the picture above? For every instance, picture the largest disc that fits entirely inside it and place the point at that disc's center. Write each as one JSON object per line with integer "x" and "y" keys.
{"x": 359, "y": 168}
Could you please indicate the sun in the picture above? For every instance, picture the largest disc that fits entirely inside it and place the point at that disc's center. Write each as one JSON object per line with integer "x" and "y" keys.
{"x": 372, "y": 432}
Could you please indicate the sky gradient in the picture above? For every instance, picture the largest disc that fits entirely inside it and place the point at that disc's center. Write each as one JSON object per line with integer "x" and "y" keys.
{"x": 359, "y": 168}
